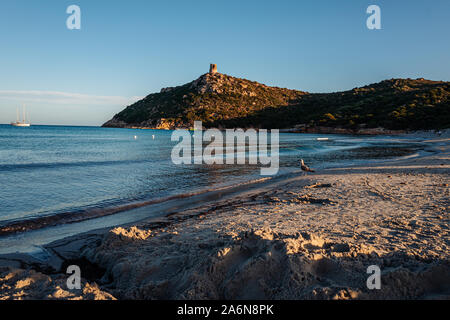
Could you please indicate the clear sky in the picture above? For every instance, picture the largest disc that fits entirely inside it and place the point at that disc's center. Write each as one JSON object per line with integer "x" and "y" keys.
{"x": 128, "y": 49}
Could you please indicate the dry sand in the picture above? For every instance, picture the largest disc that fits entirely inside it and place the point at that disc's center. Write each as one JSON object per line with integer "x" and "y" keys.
{"x": 311, "y": 237}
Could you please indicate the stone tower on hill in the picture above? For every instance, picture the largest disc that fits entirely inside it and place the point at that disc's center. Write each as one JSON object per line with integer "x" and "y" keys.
{"x": 213, "y": 68}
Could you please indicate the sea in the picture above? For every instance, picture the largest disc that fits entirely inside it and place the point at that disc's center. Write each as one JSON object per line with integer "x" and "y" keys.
{"x": 59, "y": 173}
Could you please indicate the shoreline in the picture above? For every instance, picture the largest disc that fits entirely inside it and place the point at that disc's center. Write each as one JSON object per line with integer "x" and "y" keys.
{"x": 261, "y": 219}
{"x": 14, "y": 226}
{"x": 301, "y": 129}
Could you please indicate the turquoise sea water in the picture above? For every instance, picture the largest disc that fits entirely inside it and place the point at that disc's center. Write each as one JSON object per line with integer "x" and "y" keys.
{"x": 54, "y": 170}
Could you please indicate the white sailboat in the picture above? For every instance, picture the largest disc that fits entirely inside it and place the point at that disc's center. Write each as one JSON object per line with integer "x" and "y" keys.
{"x": 22, "y": 123}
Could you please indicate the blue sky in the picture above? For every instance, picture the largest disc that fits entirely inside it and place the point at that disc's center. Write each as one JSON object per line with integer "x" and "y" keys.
{"x": 128, "y": 49}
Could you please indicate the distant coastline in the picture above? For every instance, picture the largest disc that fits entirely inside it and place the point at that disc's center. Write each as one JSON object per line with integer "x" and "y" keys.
{"x": 302, "y": 129}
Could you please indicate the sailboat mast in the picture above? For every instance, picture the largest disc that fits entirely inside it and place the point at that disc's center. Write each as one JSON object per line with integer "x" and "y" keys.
{"x": 23, "y": 110}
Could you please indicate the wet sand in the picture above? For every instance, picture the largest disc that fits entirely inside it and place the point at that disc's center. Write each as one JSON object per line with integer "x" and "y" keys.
{"x": 305, "y": 237}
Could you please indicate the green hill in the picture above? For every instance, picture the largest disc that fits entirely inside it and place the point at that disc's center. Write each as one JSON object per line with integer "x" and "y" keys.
{"x": 223, "y": 101}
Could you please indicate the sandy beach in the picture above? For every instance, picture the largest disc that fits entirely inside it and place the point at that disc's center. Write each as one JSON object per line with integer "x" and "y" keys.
{"x": 305, "y": 237}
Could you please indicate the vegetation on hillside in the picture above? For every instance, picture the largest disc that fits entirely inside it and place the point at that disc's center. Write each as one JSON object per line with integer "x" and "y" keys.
{"x": 226, "y": 102}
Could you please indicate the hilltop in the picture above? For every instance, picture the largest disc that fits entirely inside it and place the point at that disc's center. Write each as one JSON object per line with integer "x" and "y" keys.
{"x": 223, "y": 101}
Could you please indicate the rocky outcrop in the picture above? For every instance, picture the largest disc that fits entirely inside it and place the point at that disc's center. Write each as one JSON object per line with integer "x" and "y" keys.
{"x": 210, "y": 98}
